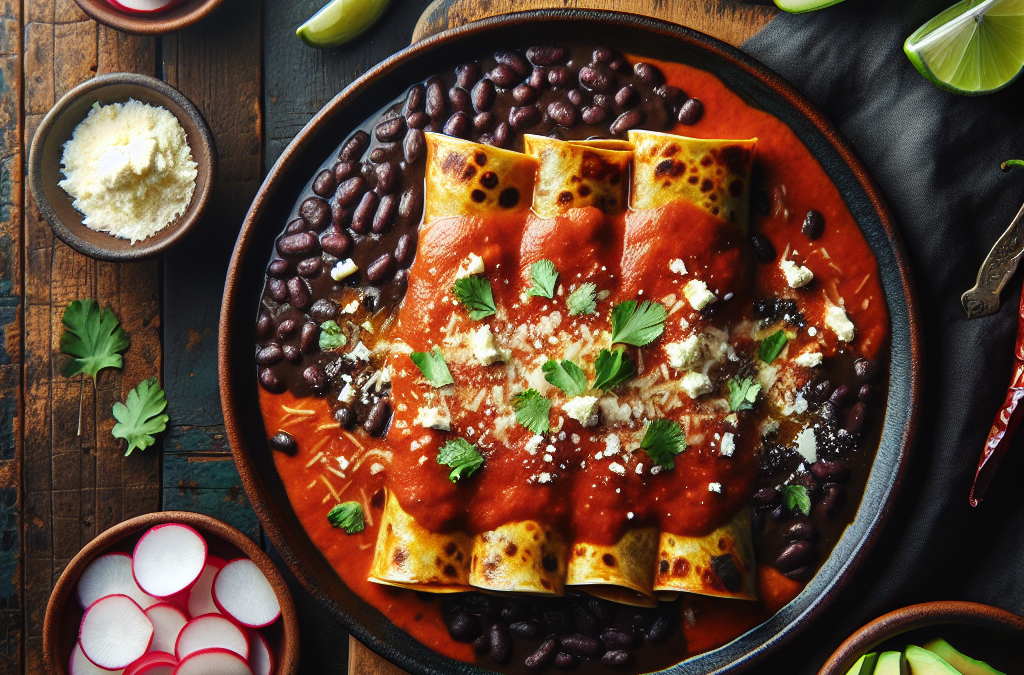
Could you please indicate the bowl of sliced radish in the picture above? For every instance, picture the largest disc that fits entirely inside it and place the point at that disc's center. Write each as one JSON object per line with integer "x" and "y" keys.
{"x": 148, "y": 17}
{"x": 171, "y": 593}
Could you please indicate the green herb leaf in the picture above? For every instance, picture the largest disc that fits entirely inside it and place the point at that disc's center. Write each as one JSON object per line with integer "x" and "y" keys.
{"x": 772, "y": 346}
{"x": 348, "y": 516}
{"x": 92, "y": 337}
{"x": 475, "y": 295}
{"x": 331, "y": 337}
{"x": 462, "y": 456}
{"x": 433, "y": 367}
{"x": 142, "y": 417}
{"x": 612, "y": 368}
{"x": 567, "y": 376}
{"x": 545, "y": 277}
{"x": 663, "y": 440}
{"x": 796, "y": 497}
{"x": 583, "y": 300}
{"x": 638, "y": 326}
{"x": 1008, "y": 164}
{"x": 532, "y": 411}
{"x": 743, "y": 393}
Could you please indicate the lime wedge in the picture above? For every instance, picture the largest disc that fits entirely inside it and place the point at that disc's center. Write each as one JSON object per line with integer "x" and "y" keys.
{"x": 800, "y": 6}
{"x": 974, "y": 47}
{"x": 340, "y": 21}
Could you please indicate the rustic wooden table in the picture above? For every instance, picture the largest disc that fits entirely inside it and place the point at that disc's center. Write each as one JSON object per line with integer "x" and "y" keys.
{"x": 257, "y": 85}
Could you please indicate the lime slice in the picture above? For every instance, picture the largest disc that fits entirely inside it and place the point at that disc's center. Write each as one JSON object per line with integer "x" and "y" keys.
{"x": 800, "y": 6}
{"x": 340, "y": 21}
{"x": 974, "y": 47}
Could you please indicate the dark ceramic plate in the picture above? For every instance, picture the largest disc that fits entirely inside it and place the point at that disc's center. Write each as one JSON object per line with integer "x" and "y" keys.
{"x": 381, "y": 85}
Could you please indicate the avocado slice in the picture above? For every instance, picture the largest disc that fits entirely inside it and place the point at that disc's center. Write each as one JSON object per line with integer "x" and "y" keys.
{"x": 924, "y": 662}
{"x": 965, "y": 664}
{"x": 865, "y": 665}
{"x": 891, "y": 663}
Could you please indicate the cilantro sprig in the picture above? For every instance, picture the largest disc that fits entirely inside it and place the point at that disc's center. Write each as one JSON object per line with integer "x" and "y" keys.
{"x": 638, "y": 325}
{"x": 796, "y": 497}
{"x": 433, "y": 366}
{"x": 533, "y": 411}
{"x": 772, "y": 346}
{"x": 92, "y": 337}
{"x": 347, "y": 516}
{"x": 545, "y": 278}
{"x": 142, "y": 416}
{"x": 612, "y": 368}
{"x": 331, "y": 337}
{"x": 474, "y": 293}
{"x": 462, "y": 456}
{"x": 663, "y": 440}
{"x": 583, "y": 300}
{"x": 743, "y": 393}
{"x": 567, "y": 376}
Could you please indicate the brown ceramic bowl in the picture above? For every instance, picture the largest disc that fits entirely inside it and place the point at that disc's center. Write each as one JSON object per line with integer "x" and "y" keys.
{"x": 63, "y": 614}
{"x": 980, "y": 631}
{"x": 157, "y": 23}
{"x": 44, "y": 164}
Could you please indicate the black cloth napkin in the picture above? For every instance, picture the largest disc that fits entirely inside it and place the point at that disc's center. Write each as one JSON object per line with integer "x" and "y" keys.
{"x": 936, "y": 156}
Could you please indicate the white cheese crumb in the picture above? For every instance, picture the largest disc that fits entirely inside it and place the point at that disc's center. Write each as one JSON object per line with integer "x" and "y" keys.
{"x": 358, "y": 353}
{"x": 376, "y": 468}
{"x": 696, "y": 384}
{"x": 797, "y": 276}
{"x": 639, "y": 469}
{"x": 473, "y": 264}
{"x": 583, "y": 409}
{"x": 433, "y": 418}
{"x": 685, "y": 354}
{"x": 812, "y": 331}
{"x": 423, "y": 458}
{"x": 544, "y": 477}
{"x": 728, "y": 445}
{"x": 799, "y": 405}
{"x": 656, "y": 469}
{"x": 485, "y": 348}
{"x": 344, "y": 268}
{"x": 533, "y": 444}
{"x": 612, "y": 445}
{"x": 629, "y": 515}
{"x": 350, "y": 308}
{"x": 575, "y": 439}
{"x": 677, "y": 266}
{"x": 612, "y": 412}
{"x": 807, "y": 445}
{"x": 367, "y": 326}
{"x": 343, "y": 463}
{"x": 715, "y": 487}
{"x": 347, "y": 394}
{"x": 697, "y": 294}
{"x": 809, "y": 359}
{"x": 617, "y": 468}
{"x": 837, "y": 320}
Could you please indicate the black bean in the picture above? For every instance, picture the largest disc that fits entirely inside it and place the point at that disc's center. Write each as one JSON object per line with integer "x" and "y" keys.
{"x": 524, "y": 117}
{"x": 341, "y": 216}
{"x": 435, "y": 99}
{"x": 269, "y": 355}
{"x": 538, "y": 78}
{"x": 458, "y": 125}
{"x": 566, "y": 661}
{"x": 691, "y": 111}
{"x": 856, "y": 416}
{"x": 580, "y": 645}
{"x": 324, "y": 183}
{"x": 593, "y": 114}
{"x": 575, "y": 96}
{"x": 310, "y": 267}
{"x": 410, "y": 208}
{"x": 760, "y": 202}
{"x": 513, "y": 61}
{"x": 586, "y": 623}
{"x": 316, "y": 212}
{"x": 515, "y": 609}
{"x": 387, "y": 176}
{"x": 460, "y": 100}
{"x": 278, "y": 289}
{"x": 602, "y": 609}
{"x": 618, "y": 65}
{"x": 545, "y": 56}
{"x": 501, "y": 644}
{"x": 819, "y": 391}
{"x": 557, "y": 621}
{"x": 563, "y": 114}
{"x": 378, "y": 417}
{"x": 674, "y": 96}
{"x": 832, "y": 501}
{"x": 482, "y": 644}
{"x": 279, "y": 268}
{"x": 503, "y": 76}
{"x": 838, "y": 397}
{"x": 415, "y": 99}
{"x": 345, "y": 417}
{"x": 297, "y": 245}
{"x": 349, "y": 191}
{"x": 418, "y": 120}
{"x": 344, "y": 170}
{"x": 483, "y": 121}
{"x": 617, "y": 658}
{"x": 315, "y": 378}
{"x": 464, "y": 627}
{"x": 831, "y": 471}
{"x": 544, "y": 655}
{"x": 613, "y": 638}
{"x": 502, "y": 135}
{"x": 594, "y": 80}
{"x": 626, "y": 97}
{"x": 270, "y": 381}
{"x": 381, "y": 153}
{"x": 796, "y": 554}
{"x": 412, "y": 147}
{"x": 478, "y": 603}
{"x": 354, "y": 147}
{"x": 524, "y": 629}
{"x": 467, "y": 74}
{"x": 292, "y": 354}
{"x": 283, "y": 441}
{"x": 866, "y": 393}
{"x": 809, "y": 482}
{"x": 658, "y": 114}
{"x": 603, "y": 100}
{"x": 800, "y": 573}
{"x": 385, "y": 216}
{"x": 780, "y": 513}
{"x": 295, "y": 226}
{"x": 814, "y": 225}
{"x": 865, "y": 369}
{"x": 648, "y": 74}
{"x": 264, "y": 327}
{"x": 336, "y": 243}
{"x": 299, "y": 293}
{"x": 801, "y": 529}
{"x": 524, "y": 94}
{"x": 381, "y": 269}
{"x": 602, "y": 54}
{"x": 309, "y": 338}
{"x": 390, "y": 129}
{"x": 483, "y": 95}
{"x": 362, "y": 219}
{"x": 630, "y": 119}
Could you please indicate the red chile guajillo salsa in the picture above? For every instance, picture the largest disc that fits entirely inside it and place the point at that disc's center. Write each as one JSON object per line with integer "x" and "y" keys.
{"x": 639, "y": 521}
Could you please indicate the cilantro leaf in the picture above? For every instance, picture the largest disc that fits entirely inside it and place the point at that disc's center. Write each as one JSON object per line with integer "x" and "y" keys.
{"x": 743, "y": 393}
{"x": 567, "y": 376}
{"x": 532, "y": 411}
{"x": 433, "y": 367}
{"x": 638, "y": 326}
{"x": 544, "y": 276}
{"x": 142, "y": 416}
{"x": 772, "y": 346}
{"x": 331, "y": 337}
{"x": 663, "y": 440}
{"x": 796, "y": 497}
{"x": 92, "y": 337}
{"x": 612, "y": 368}
{"x": 475, "y": 295}
{"x": 348, "y": 516}
{"x": 462, "y": 456}
{"x": 583, "y": 300}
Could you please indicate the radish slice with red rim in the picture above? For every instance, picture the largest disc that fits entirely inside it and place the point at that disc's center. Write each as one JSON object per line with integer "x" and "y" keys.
{"x": 242, "y": 592}
{"x": 213, "y": 662}
{"x": 80, "y": 665}
{"x": 111, "y": 574}
{"x": 114, "y": 632}
{"x": 153, "y": 663}
{"x": 261, "y": 659}
{"x": 167, "y": 622}
{"x": 168, "y": 559}
{"x": 200, "y": 596}
{"x": 143, "y": 6}
{"x": 211, "y": 631}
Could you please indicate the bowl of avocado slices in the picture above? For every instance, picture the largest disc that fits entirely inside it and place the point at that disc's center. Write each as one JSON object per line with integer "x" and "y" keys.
{"x": 934, "y": 638}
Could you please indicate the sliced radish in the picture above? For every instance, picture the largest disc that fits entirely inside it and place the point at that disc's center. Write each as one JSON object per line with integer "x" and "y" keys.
{"x": 115, "y": 631}
{"x": 111, "y": 574}
{"x": 261, "y": 659}
{"x": 168, "y": 559}
{"x": 213, "y": 662}
{"x": 153, "y": 663}
{"x": 200, "y": 596}
{"x": 243, "y": 593}
{"x": 167, "y": 621}
{"x": 80, "y": 665}
{"x": 211, "y": 631}
{"x": 143, "y": 6}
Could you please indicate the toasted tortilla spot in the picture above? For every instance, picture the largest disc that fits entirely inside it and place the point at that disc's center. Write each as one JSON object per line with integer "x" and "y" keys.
{"x": 701, "y": 564}
{"x": 574, "y": 174}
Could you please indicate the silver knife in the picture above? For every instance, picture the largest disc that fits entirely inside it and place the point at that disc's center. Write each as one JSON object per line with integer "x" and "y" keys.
{"x": 995, "y": 272}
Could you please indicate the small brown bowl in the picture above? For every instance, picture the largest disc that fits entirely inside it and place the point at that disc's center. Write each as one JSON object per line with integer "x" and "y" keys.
{"x": 157, "y": 23}
{"x": 63, "y": 614}
{"x": 44, "y": 164}
{"x": 987, "y": 633}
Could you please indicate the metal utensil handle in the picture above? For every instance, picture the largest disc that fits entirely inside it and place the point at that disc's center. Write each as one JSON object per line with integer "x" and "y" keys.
{"x": 999, "y": 266}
